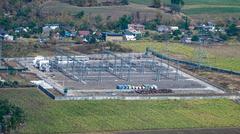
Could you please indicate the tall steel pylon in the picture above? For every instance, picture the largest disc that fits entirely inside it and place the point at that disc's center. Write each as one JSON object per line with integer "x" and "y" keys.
{"x": 200, "y": 52}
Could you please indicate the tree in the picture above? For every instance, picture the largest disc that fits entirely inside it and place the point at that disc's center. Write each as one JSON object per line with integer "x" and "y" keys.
{"x": 79, "y": 15}
{"x": 195, "y": 38}
{"x": 11, "y": 116}
{"x": 232, "y": 30}
{"x": 185, "y": 23}
{"x": 157, "y": 3}
{"x": 176, "y": 5}
{"x": 124, "y": 2}
{"x": 124, "y": 21}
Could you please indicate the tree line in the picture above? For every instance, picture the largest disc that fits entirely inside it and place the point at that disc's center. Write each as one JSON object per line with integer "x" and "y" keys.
{"x": 175, "y": 5}
{"x": 90, "y": 3}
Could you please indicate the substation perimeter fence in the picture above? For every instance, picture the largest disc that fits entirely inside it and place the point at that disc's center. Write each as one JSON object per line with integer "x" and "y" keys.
{"x": 191, "y": 64}
{"x": 62, "y": 98}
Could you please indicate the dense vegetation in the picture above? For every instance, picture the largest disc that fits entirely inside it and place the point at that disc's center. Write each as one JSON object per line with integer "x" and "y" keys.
{"x": 8, "y": 84}
{"x": 11, "y": 116}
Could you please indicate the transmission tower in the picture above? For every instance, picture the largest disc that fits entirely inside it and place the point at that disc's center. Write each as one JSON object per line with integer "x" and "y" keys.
{"x": 200, "y": 52}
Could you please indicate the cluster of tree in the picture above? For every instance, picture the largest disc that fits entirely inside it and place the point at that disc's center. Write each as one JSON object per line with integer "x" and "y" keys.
{"x": 90, "y": 3}
{"x": 175, "y": 5}
{"x": 16, "y": 13}
{"x": 82, "y": 3}
{"x": 11, "y": 117}
{"x": 157, "y": 3}
{"x": 9, "y": 84}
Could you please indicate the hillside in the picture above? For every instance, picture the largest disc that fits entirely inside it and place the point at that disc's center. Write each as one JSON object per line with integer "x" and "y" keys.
{"x": 114, "y": 11}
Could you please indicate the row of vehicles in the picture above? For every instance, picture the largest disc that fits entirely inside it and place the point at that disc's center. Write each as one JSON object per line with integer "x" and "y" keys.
{"x": 143, "y": 89}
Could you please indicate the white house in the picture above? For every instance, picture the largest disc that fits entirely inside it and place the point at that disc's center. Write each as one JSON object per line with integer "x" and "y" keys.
{"x": 163, "y": 28}
{"x": 130, "y": 37}
{"x": 186, "y": 40}
{"x": 174, "y": 28}
{"x": 48, "y": 28}
{"x": 8, "y": 37}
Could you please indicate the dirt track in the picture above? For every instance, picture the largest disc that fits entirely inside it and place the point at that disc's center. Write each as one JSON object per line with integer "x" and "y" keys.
{"x": 187, "y": 131}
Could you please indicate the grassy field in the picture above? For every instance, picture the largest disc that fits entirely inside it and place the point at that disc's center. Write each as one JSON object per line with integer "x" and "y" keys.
{"x": 197, "y": 9}
{"x": 114, "y": 11}
{"x": 227, "y": 57}
{"x": 47, "y": 116}
{"x": 194, "y": 2}
{"x": 216, "y": 9}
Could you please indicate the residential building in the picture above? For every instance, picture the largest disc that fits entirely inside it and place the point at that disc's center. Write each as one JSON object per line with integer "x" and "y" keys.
{"x": 8, "y": 37}
{"x": 112, "y": 37}
{"x": 69, "y": 34}
{"x": 163, "y": 28}
{"x": 174, "y": 28}
{"x": 48, "y": 28}
{"x": 186, "y": 40}
{"x": 207, "y": 27}
{"x": 129, "y": 36}
{"x": 136, "y": 28}
{"x": 83, "y": 33}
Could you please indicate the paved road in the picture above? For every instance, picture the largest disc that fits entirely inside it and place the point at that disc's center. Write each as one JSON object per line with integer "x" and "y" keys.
{"x": 187, "y": 131}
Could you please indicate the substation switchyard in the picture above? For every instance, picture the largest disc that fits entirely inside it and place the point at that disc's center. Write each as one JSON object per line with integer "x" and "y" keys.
{"x": 115, "y": 74}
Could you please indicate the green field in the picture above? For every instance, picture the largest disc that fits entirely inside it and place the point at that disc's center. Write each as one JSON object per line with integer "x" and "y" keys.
{"x": 44, "y": 115}
{"x": 194, "y": 2}
{"x": 215, "y": 8}
{"x": 226, "y": 57}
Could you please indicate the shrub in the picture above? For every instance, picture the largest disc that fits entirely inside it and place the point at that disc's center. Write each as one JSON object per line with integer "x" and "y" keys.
{"x": 195, "y": 38}
{"x": 11, "y": 117}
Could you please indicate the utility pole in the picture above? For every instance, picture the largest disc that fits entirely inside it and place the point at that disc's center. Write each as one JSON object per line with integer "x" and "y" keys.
{"x": 1, "y": 45}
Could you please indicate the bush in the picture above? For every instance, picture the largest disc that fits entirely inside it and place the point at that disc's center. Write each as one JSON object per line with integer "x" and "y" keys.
{"x": 223, "y": 36}
{"x": 79, "y": 15}
{"x": 152, "y": 25}
{"x": 177, "y": 32}
{"x": 11, "y": 116}
{"x": 232, "y": 30}
{"x": 124, "y": 2}
{"x": 9, "y": 84}
{"x": 195, "y": 38}
{"x": 157, "y": 37}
